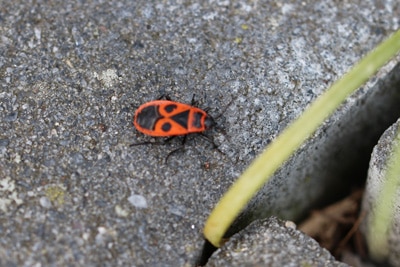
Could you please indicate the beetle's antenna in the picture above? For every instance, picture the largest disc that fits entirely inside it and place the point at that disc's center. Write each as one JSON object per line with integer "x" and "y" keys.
{"x": 225, "y": 108}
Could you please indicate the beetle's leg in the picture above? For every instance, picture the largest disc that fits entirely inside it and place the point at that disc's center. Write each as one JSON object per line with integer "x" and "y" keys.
{"x": 177, "y": 149}
{"x": 193, "y": 100}
{"x": 211, "y": 141}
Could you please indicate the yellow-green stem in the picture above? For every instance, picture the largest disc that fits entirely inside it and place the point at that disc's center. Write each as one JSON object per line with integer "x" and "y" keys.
{"x": 263, "y": 167}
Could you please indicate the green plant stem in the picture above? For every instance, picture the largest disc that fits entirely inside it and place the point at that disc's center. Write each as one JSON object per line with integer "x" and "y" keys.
{"x": 264, "y": 166}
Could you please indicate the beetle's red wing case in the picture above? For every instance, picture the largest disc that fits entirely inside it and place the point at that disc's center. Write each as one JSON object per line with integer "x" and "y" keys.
{"x": 165, "y": 118}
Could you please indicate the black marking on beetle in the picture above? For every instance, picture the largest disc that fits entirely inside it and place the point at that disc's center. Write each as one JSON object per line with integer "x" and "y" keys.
{"x": 197, "y": 119}
{"x": 148, "y": 117}
{"x": 182, "y": 118}
{"x": 166, "y": 127}
{"x": 169, "y": 108}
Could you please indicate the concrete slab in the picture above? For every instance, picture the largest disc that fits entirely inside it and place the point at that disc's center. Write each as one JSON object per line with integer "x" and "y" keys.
{"x": 71, "y": 75}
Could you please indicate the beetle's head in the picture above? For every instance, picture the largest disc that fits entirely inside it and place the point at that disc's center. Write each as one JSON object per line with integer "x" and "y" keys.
{"x": 209, "y": 122}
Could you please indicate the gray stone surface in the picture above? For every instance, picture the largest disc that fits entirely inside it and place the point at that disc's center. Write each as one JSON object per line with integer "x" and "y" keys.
{"x": 274, "y": 243}
{"x": 72, "y": 191}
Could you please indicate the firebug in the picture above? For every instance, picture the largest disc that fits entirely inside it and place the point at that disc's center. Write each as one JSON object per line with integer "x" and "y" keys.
{"x": 167, "y": 118}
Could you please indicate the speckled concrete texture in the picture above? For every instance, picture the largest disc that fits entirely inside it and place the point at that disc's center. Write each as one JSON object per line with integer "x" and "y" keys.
{"x": 72, "y": 73}
{"x": 274, "y": 243}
